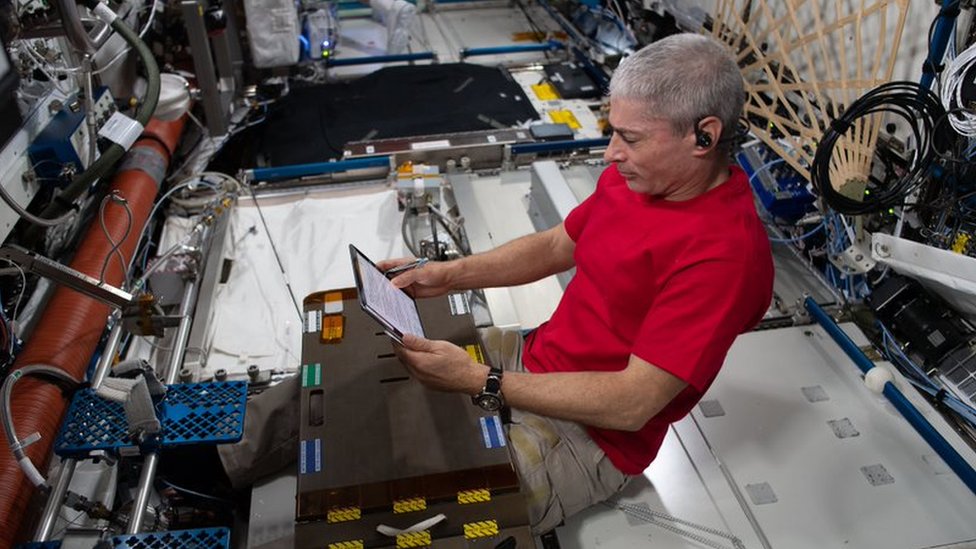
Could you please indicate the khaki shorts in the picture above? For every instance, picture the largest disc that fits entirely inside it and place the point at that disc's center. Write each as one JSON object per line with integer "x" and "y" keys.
{"x": 561, "y": 469}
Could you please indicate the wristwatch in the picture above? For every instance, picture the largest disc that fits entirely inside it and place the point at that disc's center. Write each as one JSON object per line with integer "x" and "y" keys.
{"x": 490, "y": 398}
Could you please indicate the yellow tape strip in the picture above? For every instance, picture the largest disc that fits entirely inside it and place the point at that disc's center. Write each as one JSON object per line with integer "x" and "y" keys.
{"x": 959, "y": 245}
{"x": 475, "y": 352}
{"x": 414, "y": 539}
{"x": 409, "y": 505}
{"x": 352, "y": 544}
{"x": 481, "y": 529}
{"x": 343, "y": 514}
{"x": 545, "y": 91}
{"x": 565, "y": 117}
{"x": 332, "y": 328}
{"x": 480, "y": 495}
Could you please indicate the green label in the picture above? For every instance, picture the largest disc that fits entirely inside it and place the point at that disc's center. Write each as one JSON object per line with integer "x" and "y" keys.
{"x": 311, "y": 375}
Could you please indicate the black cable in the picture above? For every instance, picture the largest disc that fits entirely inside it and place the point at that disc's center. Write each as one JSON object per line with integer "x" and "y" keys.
{"x": 921, "y": 111}
{"x": 534, "y": 26}
{"x": 433, "y": 235}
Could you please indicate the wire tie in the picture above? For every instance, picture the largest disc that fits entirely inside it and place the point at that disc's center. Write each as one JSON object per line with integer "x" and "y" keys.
{"x": 27, "y": 441}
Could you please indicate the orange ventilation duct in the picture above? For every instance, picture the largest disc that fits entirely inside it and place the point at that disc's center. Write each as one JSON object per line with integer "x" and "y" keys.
{"x": 72, "y": 324}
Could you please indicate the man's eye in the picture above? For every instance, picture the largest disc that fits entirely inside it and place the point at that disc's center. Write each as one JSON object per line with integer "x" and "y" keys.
{"x": 626, "y": 138}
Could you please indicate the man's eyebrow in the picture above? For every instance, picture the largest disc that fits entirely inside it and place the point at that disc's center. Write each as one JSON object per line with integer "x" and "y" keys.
{"x": 619, "y": 129}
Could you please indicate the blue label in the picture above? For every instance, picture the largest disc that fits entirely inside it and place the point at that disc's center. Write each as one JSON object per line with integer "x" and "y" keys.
{"x": 491, "y": 432}
{"x": 310, "y": 456}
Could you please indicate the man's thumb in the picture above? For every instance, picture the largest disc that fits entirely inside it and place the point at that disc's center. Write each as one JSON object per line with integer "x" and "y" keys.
{"x": 415, "y": 343}
{"x": 403, "y": 280}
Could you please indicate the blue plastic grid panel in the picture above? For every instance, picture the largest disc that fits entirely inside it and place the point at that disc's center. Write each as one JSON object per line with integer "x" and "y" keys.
{"x": 201, "y": 538}
{"x": 92, "y": 423}
{"x": 40, "y": 545}
{"x": 191, "y": 413}
{"x": 204, "y": 412}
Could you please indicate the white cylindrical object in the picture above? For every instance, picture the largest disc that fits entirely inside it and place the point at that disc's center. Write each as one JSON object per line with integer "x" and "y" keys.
{"x": 174, "y": 97}
{"x": 877, "y": 377}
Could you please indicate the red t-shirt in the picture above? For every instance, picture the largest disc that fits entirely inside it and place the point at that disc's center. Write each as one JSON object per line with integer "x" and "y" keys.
{"x": 673, "y": 283}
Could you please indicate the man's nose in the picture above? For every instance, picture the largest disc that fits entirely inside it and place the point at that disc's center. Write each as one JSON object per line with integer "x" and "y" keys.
{"x": 613, "y": 152}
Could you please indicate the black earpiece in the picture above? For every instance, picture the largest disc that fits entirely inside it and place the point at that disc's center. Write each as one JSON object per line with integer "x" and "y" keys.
{"x": 703, "y": 139}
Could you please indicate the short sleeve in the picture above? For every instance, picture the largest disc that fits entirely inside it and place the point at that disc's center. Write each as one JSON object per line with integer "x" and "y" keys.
{"x": 694, "y": 319}
{"x": 577, "y": 218}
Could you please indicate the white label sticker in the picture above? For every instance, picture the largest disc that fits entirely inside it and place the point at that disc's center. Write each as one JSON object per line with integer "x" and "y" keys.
{"x": 121, "y": 129}
{"x": 370, "y": 149}
{"x": 459, "y": 304}
{"x": 492, "y": 139}
{"x": 313, "y": 321}
{"x": 424, "y": 145}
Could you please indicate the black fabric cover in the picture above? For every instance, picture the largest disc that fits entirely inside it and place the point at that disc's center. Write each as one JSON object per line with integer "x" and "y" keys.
{"x": 313, "y": 124}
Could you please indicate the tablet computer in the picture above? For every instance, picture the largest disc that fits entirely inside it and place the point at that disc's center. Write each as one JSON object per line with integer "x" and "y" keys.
{"x": 392, "y": 307}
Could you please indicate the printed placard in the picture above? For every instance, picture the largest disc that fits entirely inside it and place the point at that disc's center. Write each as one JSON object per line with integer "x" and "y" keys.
{"x": 491, "y": 432}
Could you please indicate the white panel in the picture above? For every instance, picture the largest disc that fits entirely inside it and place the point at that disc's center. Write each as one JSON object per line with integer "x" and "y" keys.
{"x": 772, "y": 433}
{"x": 674, "y": 485}
{"x": 14, "y": 162}
{"x": 776, "y": 439}
{"x": 495, "y": 210}
{"x": 254, "y": 319}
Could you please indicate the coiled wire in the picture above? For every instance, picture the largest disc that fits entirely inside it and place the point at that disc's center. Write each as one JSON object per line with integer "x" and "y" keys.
{"x": 921, "y": 112}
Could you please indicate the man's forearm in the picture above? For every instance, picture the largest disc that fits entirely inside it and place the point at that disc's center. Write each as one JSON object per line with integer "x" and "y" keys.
{"x": 624, "y": 400}
{"x": 520, "y": 261}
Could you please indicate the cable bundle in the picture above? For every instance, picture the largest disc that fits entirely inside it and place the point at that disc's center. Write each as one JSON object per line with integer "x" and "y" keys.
{"x": 921, "y": 111}
{"x": 961, "y": 117}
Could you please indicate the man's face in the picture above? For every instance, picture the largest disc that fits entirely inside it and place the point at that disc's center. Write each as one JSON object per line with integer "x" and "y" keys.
{"x": 648, "y": 155}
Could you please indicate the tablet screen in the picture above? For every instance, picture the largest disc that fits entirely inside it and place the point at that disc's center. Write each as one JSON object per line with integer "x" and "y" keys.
{"x": 389, "y": 305}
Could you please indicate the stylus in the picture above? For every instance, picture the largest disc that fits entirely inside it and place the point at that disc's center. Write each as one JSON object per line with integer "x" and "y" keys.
{"x": 406, "y": 267}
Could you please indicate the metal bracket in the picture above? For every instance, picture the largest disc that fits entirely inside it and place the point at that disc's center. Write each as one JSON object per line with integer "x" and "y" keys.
{"x": 66, "y": 276}
{"x": 141, "y": 314}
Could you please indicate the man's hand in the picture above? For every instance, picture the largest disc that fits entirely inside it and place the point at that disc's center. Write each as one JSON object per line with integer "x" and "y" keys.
{"x": 441, "y": 365}
{"x": 430, "y": 280}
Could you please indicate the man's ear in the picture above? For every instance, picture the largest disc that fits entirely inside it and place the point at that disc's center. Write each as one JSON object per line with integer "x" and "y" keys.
{"x": 708, "y": 132}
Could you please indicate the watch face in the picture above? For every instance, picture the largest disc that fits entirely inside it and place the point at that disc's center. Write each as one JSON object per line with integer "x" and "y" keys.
{"x": 488, "y": 402}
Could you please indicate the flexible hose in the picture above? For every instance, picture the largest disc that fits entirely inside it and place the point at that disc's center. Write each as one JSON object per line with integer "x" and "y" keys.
{"x": 17, "y": 445}
{"x": 68, "y": 330}
{"x": 111, "y": 156}
{"x": 22, "y": 212}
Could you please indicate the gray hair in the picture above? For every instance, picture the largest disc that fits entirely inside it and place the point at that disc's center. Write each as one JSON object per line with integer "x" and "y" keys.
{"x": 683, "y": 78}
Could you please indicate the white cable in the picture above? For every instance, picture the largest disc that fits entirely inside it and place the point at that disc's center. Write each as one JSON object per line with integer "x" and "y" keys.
{"x": 17, "y": 445}
{"x": 185, "y": 183}
{"x": 963, "y": 121}
{"x": 152, "y": 15}
{"x": 671, "y": 523}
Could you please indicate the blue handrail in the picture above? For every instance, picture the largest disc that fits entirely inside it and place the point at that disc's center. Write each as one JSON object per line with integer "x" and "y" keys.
{"x": 370, "y": 59}
{"x": 520, "y": 48}
{"x": 278, "y": 173}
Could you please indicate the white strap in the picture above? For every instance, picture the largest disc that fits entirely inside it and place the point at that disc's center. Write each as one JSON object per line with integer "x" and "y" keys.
{"x": 419, "y": 527}
{"x": 115, "y": 389}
